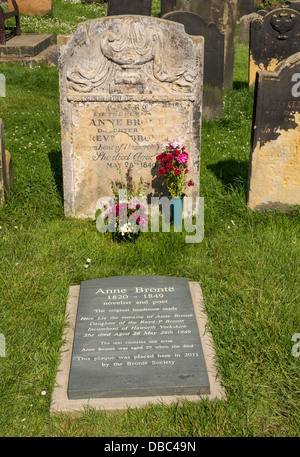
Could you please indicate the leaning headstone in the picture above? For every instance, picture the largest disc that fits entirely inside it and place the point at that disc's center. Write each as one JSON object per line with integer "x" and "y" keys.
{"x": 117, "y": 7}
{"x": 166, "y": 6}
{"x": 273, "y": 38}
{"x": 33, "y": 7}
{"x": 244, "y": 28}
{"x": 213, "y": 59}
{"x": 134, "y": 340}
{"x": 127, "y": 86}
{"x": 6, "y": 172}
{"x": 274, "y": 175}
{"x": 223, "y": 13}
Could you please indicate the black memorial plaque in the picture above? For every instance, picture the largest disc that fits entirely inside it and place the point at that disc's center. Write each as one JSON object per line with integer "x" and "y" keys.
{"x": 136, "y": 336}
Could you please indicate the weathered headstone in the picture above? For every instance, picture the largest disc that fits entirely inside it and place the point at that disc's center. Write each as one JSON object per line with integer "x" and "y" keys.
{"x": 117, "y": 7}
{"x": 135, "y": 340}
{"x": 33, "y": 7}
{"x": 6, "y": 172}
{"x": 273, "y": 38}
{"x": 128, "y": 85}
{"x": 274, "y": 176}
{"x": 294, "y": 5}
{"x": 213, "y": 59}
{"x": 245, "y": 7}
{"x": 223, "y": 13}
{"x": 244, "y": 28}
{"x": 166, "y": 6}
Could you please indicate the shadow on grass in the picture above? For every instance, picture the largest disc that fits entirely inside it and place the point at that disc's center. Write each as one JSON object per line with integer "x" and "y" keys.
{"x": 238, "y": 85}
{"x": 232, "y": 173}
{"x": 55, "y": 159}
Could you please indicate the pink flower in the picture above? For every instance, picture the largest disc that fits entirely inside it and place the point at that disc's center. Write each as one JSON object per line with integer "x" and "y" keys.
{"x": 183, "y": 157}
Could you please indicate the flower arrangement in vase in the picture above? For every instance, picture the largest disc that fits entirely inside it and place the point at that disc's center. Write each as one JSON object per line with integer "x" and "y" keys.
{"x": 173, "y": 167}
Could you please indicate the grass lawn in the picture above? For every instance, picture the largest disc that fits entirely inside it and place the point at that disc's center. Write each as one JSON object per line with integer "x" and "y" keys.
{"x": 247, "y": 265}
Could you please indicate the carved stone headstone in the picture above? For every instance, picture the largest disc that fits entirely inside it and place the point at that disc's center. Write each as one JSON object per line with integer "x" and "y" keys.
{"x": 33, "y": 7}
{"x": 223, "y": 13}
{"x": 128, "y": 85}
{"x": 213, "y": 59}
{"x": 166, "y": 6}
{"x": 244, "y": 28}
{"x": 274, "y": 176}
{"x": 117, "y": 7}
{"x": 273, "y": 38}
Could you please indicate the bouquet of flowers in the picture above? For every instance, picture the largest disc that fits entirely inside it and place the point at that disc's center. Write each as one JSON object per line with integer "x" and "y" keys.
{"x": 128, "y": 216}
{"x": 173, "y": 166}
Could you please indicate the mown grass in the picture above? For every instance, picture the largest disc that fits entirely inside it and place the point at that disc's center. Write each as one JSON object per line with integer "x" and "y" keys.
{"x": 247, "y": 265}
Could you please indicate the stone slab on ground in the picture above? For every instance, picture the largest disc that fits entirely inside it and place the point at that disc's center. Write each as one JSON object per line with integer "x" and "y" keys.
{"x": 26, "y": 45}
{"x": 61, "y": 402}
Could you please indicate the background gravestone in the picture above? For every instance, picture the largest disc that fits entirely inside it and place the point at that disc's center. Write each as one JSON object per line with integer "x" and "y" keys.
{"x": 117, "y": 7}
{"x": 245, "y": 7}
{"x": 274, "y": 176}
{"x": 244, "y": 27}
{"x": 273, "y": 38}
{"x": 33, "y": 7}
{"x": 166, "y": 6}
{"x": 293, "y": 5}
{"x": 213, "y": 59}
{"x": 223, "y": 13}
{"x": 127, "y": 86}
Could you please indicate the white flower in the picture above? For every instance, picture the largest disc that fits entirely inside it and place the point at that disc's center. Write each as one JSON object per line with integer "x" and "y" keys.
{"x": 43, "y": 393}
{"x": 88, "y": 260}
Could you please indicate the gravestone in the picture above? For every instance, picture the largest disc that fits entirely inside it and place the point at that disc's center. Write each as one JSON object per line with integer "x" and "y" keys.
{"x": 274, "y": 176}
{"x": 166, "y": 6}
{"x": 223, "y": 13}
{"x": 273, "y": 38}
{"x": 244, "y": 28}
{"x": 134, "y": 340}
{"x": 213, "y": 59}
{"x": 32, "y": 7}
{"x": 245, "y": 7}
{"x": 6, "y": 172}
{"x": 293, "y": 5}
{"x": 128, "y": 85}
{"x": 117, "y": 7}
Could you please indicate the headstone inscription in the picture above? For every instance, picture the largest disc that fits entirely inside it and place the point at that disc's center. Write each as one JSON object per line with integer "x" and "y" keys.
{"x": 223, "y": 13}
{"x": 136, "y": 336}
{"x": 273, "y": 38}
{"x": 213, "y": 59}
{"x": 32, "y": 7}
{"x": 274, "y": 175}
{"x": 117, "y": 7}
{"x": 128, "y": 85}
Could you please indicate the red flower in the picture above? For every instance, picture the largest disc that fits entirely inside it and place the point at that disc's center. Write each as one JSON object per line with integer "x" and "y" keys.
{"x": 161, "y": 171}
{"x": 191, "y": 183}
{"x": 177, "y": 171}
